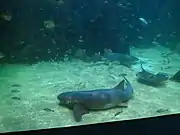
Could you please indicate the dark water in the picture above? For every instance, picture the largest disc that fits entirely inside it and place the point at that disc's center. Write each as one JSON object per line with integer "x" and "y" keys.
{"x": 87, "y": 24}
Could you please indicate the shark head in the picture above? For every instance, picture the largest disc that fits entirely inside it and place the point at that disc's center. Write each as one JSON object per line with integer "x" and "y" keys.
{"x": 67, "y": 99}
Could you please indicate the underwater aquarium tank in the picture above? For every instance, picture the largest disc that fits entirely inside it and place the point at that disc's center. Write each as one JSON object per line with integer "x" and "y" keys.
{"x": 77, "y": 62}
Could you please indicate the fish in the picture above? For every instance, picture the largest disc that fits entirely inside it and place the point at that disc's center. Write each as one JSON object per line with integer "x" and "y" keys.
{"x": 6, "y": 16}
{"x": 16, "y": 98}
{"x": 15, "y": 91}
{"x": 48, "y": 110}
{"x": 176, "y": 77}
{"x": 152, "y": 79}
{"x": 16, "y": 85}
{"x": 124, "y": 59}
{"x": 84, "y": 101}
{"x": 143, "y": 21}
{"x": 1, "y": 55}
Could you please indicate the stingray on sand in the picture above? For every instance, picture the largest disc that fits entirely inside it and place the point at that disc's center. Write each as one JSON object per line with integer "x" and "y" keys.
{"x": 149, "y": 78}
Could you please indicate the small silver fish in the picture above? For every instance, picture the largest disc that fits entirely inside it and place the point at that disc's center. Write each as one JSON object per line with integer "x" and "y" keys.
{"x": 1, "y": 55}
{"x": 143, "y": 21}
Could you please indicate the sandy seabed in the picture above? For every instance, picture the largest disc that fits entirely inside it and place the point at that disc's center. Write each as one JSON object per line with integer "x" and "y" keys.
{"x": 39, "y": 85}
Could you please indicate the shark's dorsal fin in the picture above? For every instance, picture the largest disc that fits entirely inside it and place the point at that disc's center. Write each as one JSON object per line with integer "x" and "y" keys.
{"x": 120, "y": 85}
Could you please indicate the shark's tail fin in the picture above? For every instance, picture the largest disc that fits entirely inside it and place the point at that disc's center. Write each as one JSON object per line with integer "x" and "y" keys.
{"x": 123, "y": 75}
{"x": 142, "y": 67}
{"x": 121, "y": 83}
{"x": 129, "y": 87}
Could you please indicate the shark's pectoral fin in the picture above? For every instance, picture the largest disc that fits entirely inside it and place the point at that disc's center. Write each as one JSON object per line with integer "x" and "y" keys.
{"x": 79, "y": 111}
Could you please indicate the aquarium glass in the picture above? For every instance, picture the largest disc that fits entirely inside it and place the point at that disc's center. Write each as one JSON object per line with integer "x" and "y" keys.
{"x": 76, "y": 62}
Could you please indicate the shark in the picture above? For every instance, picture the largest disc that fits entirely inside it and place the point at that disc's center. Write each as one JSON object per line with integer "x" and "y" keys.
{"x": 124, "y": 59}
{"x": 84, "y": 101}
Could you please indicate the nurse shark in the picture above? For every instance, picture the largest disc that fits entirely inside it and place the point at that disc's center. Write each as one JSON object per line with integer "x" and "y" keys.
{"x": 81, "y": 102}
{"x": 124, "y": 59}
